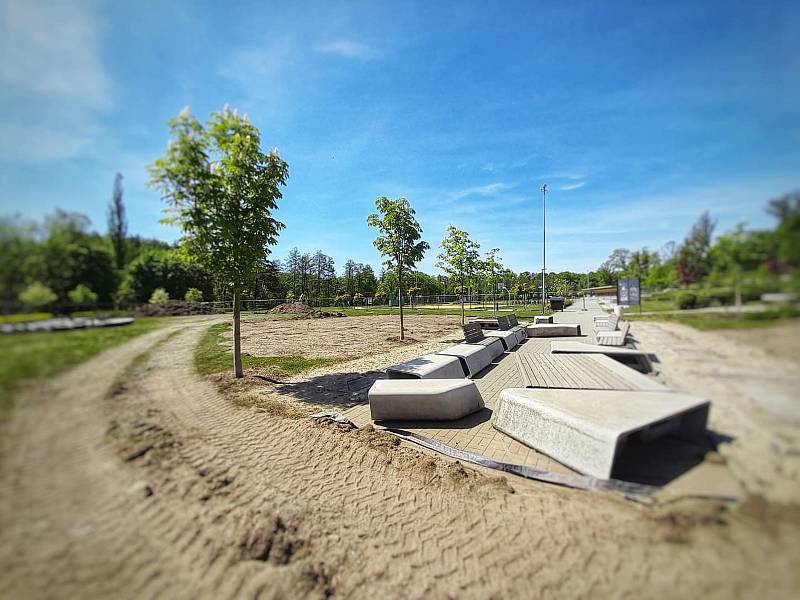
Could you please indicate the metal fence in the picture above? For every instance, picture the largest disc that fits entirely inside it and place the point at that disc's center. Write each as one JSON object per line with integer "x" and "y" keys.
{"x": 472, "y": 301}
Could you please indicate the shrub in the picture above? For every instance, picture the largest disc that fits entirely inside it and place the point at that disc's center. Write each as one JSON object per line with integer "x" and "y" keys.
{"x": 125, "y": 294}
{"x": 193, "y": 295}
{"x": 358, "y": 299}
{"x": 82, "y": 295}
{"x": 160, "y": 296}
{"x": 37, "y": 295}
{"x": 169, "y": 270}
{"x": 289, "y": 296}
{"x": 340, "y": 300}
{"x": 686, "y": 300}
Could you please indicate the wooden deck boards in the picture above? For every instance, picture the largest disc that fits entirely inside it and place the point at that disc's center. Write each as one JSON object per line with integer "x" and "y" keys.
{"x": 475, "y": 432}
{"x": 581, "y": 372}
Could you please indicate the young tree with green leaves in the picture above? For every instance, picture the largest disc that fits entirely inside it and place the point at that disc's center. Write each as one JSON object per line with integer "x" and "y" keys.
{"x": 459, "y": 258}
{"x": 221, "y": 190}
{"x": 493, "y": 268}
{"x": 400, "y": 240}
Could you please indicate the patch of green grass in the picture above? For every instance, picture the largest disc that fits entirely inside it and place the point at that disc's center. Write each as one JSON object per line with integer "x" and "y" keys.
{"x": 212, "y": 356}
{"x": 21, "y": 318}
{"x": 656, "y": 305}
{"x": 44, "y": 354}
{"x": 728, "y": 320}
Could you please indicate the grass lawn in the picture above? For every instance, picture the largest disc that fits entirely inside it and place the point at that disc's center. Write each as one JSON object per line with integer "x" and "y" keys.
{"x": 31, "y": 355}
{"x": 212, "y": 356}
{"x": 21, "y": 318}
{"x": 729, "y": 320}
{"x": 655, "y": 305}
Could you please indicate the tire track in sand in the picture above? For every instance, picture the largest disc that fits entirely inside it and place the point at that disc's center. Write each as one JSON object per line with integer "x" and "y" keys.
{"x": 220, "y": 501}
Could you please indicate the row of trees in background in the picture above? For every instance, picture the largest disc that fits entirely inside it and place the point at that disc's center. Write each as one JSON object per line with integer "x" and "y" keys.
{"x": 62, "y": 262}
{"x": 762, "y": 259}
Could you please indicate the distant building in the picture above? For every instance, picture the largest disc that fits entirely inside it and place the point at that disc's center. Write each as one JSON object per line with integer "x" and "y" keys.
{"x": 603, "y": 290}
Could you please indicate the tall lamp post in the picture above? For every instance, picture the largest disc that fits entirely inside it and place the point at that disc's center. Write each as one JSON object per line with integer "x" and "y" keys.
{"x": 544, "y": 245}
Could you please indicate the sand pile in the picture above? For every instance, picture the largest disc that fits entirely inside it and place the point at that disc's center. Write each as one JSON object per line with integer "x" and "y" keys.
{"x": 303, "y": 311}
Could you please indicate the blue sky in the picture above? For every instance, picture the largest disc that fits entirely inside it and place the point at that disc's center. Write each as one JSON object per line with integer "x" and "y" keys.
{"x": 638, "y": 115}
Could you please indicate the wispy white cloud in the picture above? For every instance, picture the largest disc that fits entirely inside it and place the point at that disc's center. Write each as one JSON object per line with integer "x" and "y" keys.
{"x": 53, "y": 84}
{"x": 572, "y": 186}
{"x": 51, "y": 48}
{"x": 483, "y": 190}
{"x": 488, "y": 167}
{"x": 347, "y": 49}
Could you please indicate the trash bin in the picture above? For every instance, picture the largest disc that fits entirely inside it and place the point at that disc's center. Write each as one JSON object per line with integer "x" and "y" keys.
{"x": 557, "y": 302}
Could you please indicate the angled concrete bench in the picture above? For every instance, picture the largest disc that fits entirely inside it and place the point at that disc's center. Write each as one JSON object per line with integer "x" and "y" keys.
{"x": 517, "y": 327}
{"x": 553, "y": 330}
{"x": 627, "y": 356}
{"x": 423, "y": 399}
{"x": 474, "y": 357}
{"x": 609, "y": 324}
{"x": 614, "y": 338}
{"x": 617, "y": 310}
{"x": 485, "y": 322}
{"x": 473, "y": 334}
{"x": 587, "y": 429}
{"x": 429, "y": 366}
{"x": 509, "y": 338}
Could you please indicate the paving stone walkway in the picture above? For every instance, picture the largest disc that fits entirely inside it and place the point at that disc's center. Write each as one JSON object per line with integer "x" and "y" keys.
{"x": 475, "y": 432}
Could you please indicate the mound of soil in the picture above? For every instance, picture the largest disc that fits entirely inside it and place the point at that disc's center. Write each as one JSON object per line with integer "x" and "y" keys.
{"x": 174, "y": 308}
{"x": 303, "y": 311}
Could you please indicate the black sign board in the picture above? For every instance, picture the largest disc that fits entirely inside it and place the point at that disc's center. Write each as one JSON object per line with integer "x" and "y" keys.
{"x": 628, "y": 291}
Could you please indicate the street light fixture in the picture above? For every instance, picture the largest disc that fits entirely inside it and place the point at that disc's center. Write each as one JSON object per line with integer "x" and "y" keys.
{"x": 544, "y": 245}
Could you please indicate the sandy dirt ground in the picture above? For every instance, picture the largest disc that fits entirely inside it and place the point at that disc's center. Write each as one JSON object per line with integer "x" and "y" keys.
{"x": 147, "y": 481}
{"x": 752, "y": 378}
{"x": 348, "y": 337}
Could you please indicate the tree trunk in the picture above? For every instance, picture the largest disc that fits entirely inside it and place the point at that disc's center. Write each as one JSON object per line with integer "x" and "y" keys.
{"x": 737, "y": 289}
{"x": 400, "y": 298}
{"x": 462, "y": 301}
{"x": 237, "y": 338}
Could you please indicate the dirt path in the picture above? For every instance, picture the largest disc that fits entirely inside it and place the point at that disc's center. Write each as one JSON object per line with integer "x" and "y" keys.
{"x": 752, "y": 378}
{"x": 147, "y": 482}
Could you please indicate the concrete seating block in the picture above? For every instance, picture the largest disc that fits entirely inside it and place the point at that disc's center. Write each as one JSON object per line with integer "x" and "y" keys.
{"x": 486, "y": 323}
{"x": 494, "y": 344}
{"x": 423, "y": 399}
{"x": 540, "y": 319}
{"x": 475, "y": 357}
{"x": 510, "y": 323}
{"x": 429, "y": 366}
{"x": 587, "y": 429}
{"x": 614, "y": 338}
{"x": 607, "y": 324}
{"x": 569, "y": 347}
{"x": 508, "y": 337}
{"x": 553, "y": 330}
{"x": 625, "y": 355}
{"x": 473, "y": 334}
